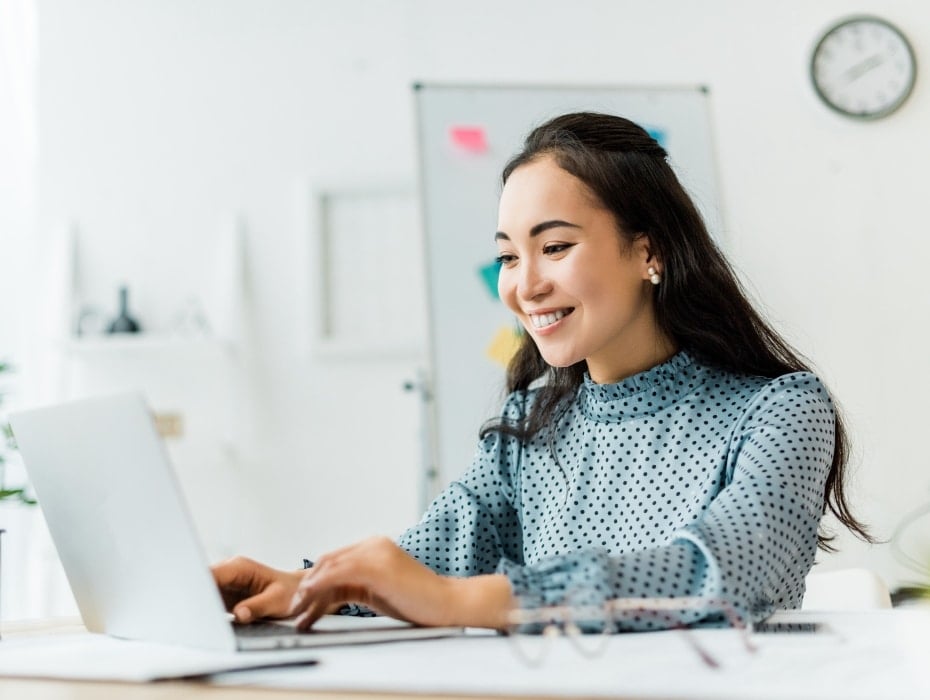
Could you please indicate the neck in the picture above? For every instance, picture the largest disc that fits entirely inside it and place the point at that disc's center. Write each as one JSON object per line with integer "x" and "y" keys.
{"x": 633, "y": 361}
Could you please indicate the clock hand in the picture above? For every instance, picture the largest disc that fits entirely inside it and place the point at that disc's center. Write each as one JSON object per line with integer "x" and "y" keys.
{"x": 863, "y": 67}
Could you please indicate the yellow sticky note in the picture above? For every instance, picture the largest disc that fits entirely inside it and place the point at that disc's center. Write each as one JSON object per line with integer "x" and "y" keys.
{"x": 504, "y": 345}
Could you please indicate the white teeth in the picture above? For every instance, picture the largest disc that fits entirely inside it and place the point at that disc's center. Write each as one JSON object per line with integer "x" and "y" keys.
{"x": 543, "y": 320}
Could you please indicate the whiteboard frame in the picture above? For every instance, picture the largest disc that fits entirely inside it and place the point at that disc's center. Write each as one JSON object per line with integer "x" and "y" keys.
{"x": 458, "y": 411}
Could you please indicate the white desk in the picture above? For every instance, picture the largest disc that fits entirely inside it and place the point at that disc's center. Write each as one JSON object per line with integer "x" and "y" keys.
{"x": 878, "y": 654}
{"x": 40, "y": 689}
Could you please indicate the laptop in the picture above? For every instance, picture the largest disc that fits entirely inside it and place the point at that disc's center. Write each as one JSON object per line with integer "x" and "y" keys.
{"x": 127, "y": 542}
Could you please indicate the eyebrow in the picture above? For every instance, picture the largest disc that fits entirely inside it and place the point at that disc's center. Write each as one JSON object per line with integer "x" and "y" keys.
{"x": 539, "y": 228}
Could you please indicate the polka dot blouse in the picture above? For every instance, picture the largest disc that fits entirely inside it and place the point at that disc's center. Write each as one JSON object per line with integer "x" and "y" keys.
{"x": 681, "y": 480}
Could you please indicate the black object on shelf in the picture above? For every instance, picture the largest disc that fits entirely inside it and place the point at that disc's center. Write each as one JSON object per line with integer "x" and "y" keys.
{"x": 124, "y": 323}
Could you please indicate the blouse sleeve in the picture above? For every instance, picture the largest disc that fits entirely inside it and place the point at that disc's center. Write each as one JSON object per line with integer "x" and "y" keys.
{"x": 753, "y": 545}
{"x": 473, "y": 523}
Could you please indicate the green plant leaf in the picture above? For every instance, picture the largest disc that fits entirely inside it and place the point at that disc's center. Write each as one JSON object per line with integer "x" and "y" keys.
{"x": 17, "y": 494}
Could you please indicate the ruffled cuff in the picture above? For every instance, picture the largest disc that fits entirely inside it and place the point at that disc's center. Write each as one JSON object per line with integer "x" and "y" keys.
{"x": 579, "y": 578}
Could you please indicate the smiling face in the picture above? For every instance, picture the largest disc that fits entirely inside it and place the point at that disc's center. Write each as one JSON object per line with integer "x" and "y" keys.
{"x": 578, "y": 287}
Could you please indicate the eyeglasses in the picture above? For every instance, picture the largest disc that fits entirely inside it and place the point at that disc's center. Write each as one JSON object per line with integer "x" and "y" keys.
{"x": 589, "y": 626}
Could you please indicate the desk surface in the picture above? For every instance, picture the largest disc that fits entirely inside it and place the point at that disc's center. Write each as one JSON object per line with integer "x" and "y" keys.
{"x": 860, "y": 656}
{"x": 84, "y": 690}
{"x": 37, "y": 689}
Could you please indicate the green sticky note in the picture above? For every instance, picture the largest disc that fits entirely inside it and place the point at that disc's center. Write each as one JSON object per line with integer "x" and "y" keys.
{"x": 489, "y": 274}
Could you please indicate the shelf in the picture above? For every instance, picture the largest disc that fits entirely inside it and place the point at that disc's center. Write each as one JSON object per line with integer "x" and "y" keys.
{"x": 210, "y": 315}
{"x": 143, "y": 342}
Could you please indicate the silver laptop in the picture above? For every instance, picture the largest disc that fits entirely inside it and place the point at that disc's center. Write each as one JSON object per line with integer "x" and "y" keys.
{"x": 128, "y": 544}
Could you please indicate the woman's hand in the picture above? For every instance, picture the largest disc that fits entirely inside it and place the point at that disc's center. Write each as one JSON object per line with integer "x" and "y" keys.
{"x": 251, "y": 590}
{"x": 379, "y": 574}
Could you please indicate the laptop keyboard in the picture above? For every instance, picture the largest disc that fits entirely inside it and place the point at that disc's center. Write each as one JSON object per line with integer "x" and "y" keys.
{"x": 264, "y": 629}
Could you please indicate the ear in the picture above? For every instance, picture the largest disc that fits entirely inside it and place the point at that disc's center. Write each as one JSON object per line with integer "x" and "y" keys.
{"x": 649, "y": 261}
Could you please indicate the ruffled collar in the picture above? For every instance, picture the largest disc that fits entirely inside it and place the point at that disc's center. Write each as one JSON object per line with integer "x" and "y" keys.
{"x": 643, "y": 393}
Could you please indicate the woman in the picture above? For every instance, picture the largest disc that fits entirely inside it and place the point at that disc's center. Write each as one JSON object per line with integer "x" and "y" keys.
{"x": 659, "y": 438}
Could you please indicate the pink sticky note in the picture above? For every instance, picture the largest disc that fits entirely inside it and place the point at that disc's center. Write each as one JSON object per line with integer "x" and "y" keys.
{"x": 469, "y": 138}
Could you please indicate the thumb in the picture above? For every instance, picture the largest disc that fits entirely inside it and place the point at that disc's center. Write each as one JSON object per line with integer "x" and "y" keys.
{"x": 271, "y": 602}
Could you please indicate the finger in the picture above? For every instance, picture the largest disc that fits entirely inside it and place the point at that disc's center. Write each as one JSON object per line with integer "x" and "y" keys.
{"x": 320, "y": 598}
{"x": 301, "y": 597}
{"x": 319, "y": 580}
{"x": 351, "y": 565}
{"x": 364, "y": 550}
{"x": 272, "y": 601}
{"x": 315, "y": 610}
{"x": 234, "y": 580}
{"x": 306, "y": 586}
{"x": 319, "y": 593}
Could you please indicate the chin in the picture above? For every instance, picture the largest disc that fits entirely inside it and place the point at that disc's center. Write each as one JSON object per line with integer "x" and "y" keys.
{"x": 560, "y": 361}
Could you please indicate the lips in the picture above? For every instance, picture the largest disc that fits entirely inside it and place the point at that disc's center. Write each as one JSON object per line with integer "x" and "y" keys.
{"x": 540, "y": 321}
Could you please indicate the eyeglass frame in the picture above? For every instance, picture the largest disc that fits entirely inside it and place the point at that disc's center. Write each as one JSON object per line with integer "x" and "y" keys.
{"x": 561, "y": 620}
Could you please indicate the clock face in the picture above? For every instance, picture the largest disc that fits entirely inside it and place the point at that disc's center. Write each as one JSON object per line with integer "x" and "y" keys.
{"x": 863, "y": 67}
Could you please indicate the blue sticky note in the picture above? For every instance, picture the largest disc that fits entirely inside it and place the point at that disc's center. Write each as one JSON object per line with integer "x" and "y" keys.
{"x": 489, "y": 274}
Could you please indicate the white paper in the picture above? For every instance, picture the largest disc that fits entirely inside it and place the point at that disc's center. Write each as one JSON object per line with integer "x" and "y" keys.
{"x": 859, "y": 656}
{"x": 98, "y": 657}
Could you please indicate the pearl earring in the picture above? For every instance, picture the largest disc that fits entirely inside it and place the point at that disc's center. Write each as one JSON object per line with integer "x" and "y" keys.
{"x": 654, "y": 275}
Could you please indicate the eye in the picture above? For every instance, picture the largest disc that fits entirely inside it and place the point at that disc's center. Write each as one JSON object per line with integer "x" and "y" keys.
{"x": 556, "y": 248}
{"x": 505, "y": 259}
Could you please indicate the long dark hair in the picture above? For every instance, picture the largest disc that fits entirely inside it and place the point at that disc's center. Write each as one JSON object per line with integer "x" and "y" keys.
{"x": 700, "y": 304}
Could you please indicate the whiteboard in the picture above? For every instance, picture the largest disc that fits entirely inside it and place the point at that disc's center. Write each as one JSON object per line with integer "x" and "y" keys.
{"x": 466, "y": 134}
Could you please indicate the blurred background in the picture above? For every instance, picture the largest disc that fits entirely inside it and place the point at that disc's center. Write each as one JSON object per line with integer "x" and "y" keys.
{"x": 178, "y": 149}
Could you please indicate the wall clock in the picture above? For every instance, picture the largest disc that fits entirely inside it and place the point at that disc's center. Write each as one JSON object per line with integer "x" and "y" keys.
{"x": 863, "y": 67}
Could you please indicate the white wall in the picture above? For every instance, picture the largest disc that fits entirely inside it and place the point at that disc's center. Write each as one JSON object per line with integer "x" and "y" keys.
{"x": 159, "y": 119}
{"x": 18, "y": 153}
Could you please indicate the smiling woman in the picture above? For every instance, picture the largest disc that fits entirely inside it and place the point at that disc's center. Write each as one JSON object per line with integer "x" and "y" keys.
{"x": 659, "y": 439}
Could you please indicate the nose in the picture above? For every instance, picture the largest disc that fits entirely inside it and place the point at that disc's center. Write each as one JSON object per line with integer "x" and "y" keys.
{"x": 532, "y": 283}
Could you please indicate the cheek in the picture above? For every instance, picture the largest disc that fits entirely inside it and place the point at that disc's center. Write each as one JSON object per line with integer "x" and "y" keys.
{"x": 610, "y": 291}
{"x": 580, "y": 282}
